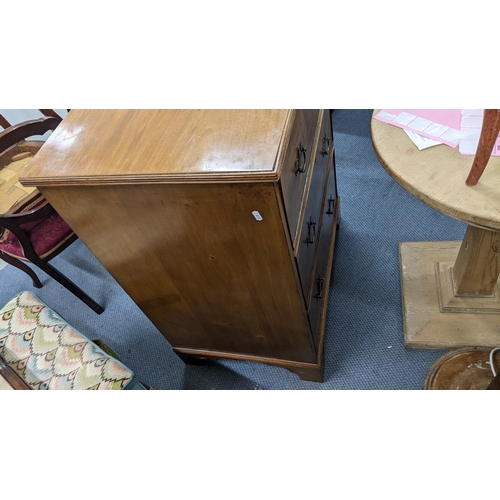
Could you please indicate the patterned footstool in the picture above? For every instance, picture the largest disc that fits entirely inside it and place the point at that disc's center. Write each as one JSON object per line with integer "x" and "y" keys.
{"x": 47, "y": 353}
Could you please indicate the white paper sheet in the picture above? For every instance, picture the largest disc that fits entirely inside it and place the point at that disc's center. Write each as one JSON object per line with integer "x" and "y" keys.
{"x": 441, "y": 125}
{"x": 420, "y": 141}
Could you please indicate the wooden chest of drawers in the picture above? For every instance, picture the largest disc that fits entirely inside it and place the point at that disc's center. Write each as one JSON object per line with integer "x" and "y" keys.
{"x": 219, "y": 224}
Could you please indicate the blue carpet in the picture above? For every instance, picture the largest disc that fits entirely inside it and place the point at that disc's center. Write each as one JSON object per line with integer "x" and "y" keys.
{"x": 364, "y": 334}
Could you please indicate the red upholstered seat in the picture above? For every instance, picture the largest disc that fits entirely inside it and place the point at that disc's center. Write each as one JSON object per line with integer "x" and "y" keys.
{"x": 46, "y": 236}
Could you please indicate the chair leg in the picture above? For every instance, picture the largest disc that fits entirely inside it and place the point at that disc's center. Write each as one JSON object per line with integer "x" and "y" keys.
{"x": 68, "y": 284}
{"x": 23, "y": 267}
{"x": 487, "y": 139}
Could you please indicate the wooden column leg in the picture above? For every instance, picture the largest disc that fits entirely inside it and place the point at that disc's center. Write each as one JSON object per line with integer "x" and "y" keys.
{"x": 477, "y": 266}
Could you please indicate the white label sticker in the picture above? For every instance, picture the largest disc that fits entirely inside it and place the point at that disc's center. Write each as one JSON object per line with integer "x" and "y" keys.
{"x": 257, "y": 215}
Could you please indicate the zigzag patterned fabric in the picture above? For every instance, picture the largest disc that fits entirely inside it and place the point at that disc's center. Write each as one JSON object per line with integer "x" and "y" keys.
{"x": 49, "y": 354}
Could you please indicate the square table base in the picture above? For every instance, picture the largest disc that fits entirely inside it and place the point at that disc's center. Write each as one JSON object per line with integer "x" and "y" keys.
{"x": 434, "y": 317}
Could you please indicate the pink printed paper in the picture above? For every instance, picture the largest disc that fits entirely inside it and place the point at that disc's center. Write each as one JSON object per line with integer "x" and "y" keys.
{"x": 472, "y": 122}
{"x": 442, "y": 125}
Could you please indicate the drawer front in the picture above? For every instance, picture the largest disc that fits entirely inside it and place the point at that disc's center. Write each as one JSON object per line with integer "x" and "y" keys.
{"x": 312, "y": 214}
{"x": 321, "y": 277}
{"x": 299, "y": 158}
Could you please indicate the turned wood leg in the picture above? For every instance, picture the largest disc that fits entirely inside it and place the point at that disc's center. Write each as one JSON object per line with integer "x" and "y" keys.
{"x": 477, "y": 266}
{"x": 487, "y": 139}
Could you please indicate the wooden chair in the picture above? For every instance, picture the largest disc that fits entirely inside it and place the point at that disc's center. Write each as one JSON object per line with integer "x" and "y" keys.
{"x": 489, "y": 133}
{"x": 4, "y": 123}
{"x": 30, "y": 229}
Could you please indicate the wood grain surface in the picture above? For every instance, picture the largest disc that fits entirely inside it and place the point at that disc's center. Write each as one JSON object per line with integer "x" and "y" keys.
{"x": 126, "y": 146}
{"x": 437, "y": 176}
{"x": 477, "y": 266}
{"x": 461, "y": 369}
{"x": 194, "y": 213}
{"x": 425, "y": 325}
{"x": 312, "y": 214}
{"x": 293, "y": 182}
{"x": 197, "y": 262}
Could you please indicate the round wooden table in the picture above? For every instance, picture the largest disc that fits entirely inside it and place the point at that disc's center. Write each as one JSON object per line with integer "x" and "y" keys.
{"x": 450, "y": 289}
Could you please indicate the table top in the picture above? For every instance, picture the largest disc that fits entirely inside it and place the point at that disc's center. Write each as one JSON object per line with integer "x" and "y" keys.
{"x": 437, "y": 176}
{"x": 95, "y": 147}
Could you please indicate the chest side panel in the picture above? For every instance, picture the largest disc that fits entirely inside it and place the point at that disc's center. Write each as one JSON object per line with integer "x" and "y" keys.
{"x": 198, "y": 262}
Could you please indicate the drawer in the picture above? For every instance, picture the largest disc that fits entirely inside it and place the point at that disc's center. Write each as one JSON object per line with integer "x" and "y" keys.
{"x": 311, "y": 216}
{"x": 321, "y": 279}
{"x": 298, "y": 160}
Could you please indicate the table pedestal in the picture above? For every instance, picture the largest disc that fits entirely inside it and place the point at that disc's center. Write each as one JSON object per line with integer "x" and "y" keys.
{"x": 450, "y": 291}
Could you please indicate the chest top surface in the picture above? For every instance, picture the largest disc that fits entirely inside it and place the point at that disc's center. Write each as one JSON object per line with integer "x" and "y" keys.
{"x": 132, "y": 146}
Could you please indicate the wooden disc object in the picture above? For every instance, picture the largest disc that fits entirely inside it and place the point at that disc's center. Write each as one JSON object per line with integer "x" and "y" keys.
{"x": 462, "y": 369}
{"x": 437, "y": 176}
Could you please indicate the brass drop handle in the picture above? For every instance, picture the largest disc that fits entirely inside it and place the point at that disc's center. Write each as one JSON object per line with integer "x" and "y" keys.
{"x": 301, "y": 161}
{"x": 311, "y": 225}
{"x": 319, "y": 287}
{"x": 331, "y": 204}
{"x": 326, "y": 145}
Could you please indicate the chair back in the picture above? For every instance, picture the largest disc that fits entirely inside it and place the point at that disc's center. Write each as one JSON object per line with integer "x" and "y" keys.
{"x": 15, "y": 155}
